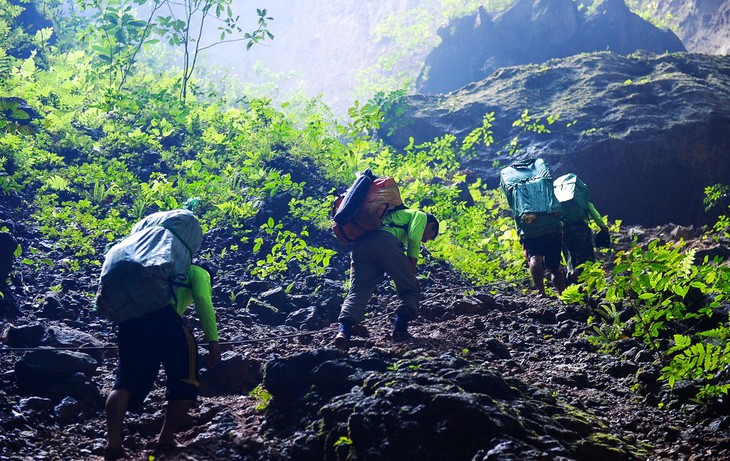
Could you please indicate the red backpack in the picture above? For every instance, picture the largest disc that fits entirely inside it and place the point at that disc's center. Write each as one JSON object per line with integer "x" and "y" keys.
{"x": 361, "y": 209}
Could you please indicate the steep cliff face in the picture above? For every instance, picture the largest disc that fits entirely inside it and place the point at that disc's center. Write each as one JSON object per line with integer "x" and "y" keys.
{"x": 703, "y": 25}
{"x": 324, "y": 46}
{"x": 650, "y": 131}
{"x": 533, "y": 31}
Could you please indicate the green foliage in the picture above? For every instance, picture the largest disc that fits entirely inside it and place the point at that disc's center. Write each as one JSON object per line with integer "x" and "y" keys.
{"x": 608, "y": 329}
{"x": 670, "y": 295}
{"x": 288, "y": 248}
{"x": 343, "y": 441}
{"x": 717, "y": 197}
{"x": 262, "y": 396}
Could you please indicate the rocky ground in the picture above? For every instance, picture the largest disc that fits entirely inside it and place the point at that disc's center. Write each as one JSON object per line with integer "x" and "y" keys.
{"x": 493, "y": 373}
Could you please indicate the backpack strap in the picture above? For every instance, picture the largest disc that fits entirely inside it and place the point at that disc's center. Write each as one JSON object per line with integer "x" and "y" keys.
{"x": 178, "y": 280}
{"x": 392, "y": 210}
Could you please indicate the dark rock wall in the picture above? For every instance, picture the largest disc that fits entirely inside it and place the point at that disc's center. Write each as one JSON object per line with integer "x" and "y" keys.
{"x": 650, "y": 132}
{"x": 534, "y": 31}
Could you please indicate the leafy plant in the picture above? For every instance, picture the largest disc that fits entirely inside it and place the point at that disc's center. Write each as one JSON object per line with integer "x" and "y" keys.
{"x": 343, "y": 441}
{"x": 262, "y": 396}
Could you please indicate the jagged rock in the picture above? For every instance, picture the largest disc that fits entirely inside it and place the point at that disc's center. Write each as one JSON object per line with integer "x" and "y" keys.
{"x": 265, "y": 312}
{"x": 256, "y": 286}
{"x": 38, "y": 372}
{"x": 52, "y": 306}
{"x": 304, "y": 319}
{"x": 25, "y": 336}
{"x": 35, "y": 409}
{"x": 467, "y": 306}
{"x": 278, "y": 298}
{"x": 473, "y": 47}
{"x": 233, "y": 376}
{"x": 703, "y": 26}
{"x": 54, "y": 335}
{"x": 68, "y": 411}
{"x": 650, "y": 131}
{"x": 422, "y": 408}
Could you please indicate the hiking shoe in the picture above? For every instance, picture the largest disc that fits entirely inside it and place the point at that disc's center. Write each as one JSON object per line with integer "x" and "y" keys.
{"x": 114, "y": 453}
{"x": 342, "y": 342}
{"x": 400, "y": 336}
{"x": 360, "y": 331}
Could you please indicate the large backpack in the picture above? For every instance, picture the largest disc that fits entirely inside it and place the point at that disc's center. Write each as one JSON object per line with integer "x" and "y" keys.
{"x": 573, "y": 195}
{"x": 140, "y": 273}
{"x": 361, "y": 209}
{"x": 528, "y": 185}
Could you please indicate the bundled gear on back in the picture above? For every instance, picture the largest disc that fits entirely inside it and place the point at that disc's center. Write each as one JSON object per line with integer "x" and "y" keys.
{"x": 140, "y": 273}
{"x": 361, "y": 209}
{"x": 574, "y": 197}
{"x": 528, "y": 186}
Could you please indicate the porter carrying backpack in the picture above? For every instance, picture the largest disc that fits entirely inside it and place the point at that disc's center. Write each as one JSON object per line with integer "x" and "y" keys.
{"x": 573, "y": 195}
{"x": 140, "y": 273}
{"x": 528, "y": 186}
{"x": 361, "y": 209}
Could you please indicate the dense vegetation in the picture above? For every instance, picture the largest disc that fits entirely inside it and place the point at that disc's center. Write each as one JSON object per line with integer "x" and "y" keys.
{"x": 93, "y": 137}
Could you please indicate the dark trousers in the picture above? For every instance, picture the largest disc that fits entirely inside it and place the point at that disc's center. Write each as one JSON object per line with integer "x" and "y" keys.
{"x": 372, "y": 256}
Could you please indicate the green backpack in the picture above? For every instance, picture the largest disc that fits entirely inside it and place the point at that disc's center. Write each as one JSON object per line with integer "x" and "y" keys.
{"x": 528, "y": 186}
{"x": 573, "y": 195}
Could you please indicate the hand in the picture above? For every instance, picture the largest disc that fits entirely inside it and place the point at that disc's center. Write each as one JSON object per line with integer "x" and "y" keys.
{"x": 214, "y": 354}
{"x": 414, "y": 263}
{"x": 603, "y": 238}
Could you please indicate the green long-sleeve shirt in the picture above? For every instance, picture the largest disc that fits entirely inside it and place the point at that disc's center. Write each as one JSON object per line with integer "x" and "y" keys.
{"x": 408, "y": 226}
{"x": 201, "y": 294}
{"x": 595, "y": 215}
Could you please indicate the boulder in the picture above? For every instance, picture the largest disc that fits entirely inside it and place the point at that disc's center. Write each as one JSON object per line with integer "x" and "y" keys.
{"x": 421, "y": 408}
{"x": 265, "y": 312}
{"x": 45, "y": 372}
{"x": 235, "y": 375}
{"x": 646, "y": 132}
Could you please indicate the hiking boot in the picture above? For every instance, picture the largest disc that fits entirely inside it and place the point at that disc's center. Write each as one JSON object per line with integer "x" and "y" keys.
{"x": 401, "y": 336}
{"x": 342, "y": 342}
{"x": 360, "y": 331}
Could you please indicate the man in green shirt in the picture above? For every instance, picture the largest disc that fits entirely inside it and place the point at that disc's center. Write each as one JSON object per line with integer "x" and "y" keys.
{"x": 381, "y": 252}
{"x": 577, "y": 237}
{"x": 162, "y": 337}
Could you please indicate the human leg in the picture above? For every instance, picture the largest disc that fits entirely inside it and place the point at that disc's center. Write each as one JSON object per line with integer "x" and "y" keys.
{"x": 577, "y": 239}
{"x": 400, "y": 269}
{"x": 537, "y": 272}
{"x": 181, "y": 370}
{"x": 365, "y": 274}
{"x": 175, "y": 414}
{"x": 552, "y": 244}
{"x": 116, "y": 409}
{"x": 138, "y": 365}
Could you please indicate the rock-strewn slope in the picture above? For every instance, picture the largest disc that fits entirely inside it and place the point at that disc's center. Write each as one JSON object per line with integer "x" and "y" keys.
{"x": 650, "y": 131}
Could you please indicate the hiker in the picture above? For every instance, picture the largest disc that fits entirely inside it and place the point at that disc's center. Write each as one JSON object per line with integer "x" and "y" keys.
{"x": 528, "y": 186}
{"x": 162, "y": 337}
{"x": 147, "y": 282}
{"x": 576, "y": 213}
{"x": 381, "y": 252}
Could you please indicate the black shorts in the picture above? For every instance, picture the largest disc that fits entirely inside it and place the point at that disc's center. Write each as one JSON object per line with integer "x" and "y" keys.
{"x": 578, "y": 245}
{"x": 160, "y": 337}
{"x": 548, "y": 245}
